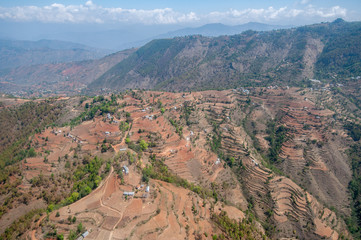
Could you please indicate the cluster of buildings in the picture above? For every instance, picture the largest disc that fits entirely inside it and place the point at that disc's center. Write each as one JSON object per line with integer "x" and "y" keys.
{"x": 146, "y": 109}
{"x": 56, "y": 132}
{"x": 74, "y": 138}
{"x": 243, "y": 90}
{"x": 125, "y": 170}
{"x": 149, "y": 117}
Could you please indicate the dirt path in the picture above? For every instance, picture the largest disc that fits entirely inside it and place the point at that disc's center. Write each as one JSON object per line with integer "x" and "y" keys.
{"x": 37, "y": 226}
{"x": 215, "y": 175}
{"x": 109, "y": 207}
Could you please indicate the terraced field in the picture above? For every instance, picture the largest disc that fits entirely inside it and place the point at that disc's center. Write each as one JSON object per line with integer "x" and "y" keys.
{"x": 165, "y": 212}
{"x": 209, "y": 139}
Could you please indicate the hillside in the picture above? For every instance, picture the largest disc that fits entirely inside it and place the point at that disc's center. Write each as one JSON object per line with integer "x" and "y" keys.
{"x": 288, "y": 57}
{"x": 275, "y": 159}
{"x": 15, "y": 53}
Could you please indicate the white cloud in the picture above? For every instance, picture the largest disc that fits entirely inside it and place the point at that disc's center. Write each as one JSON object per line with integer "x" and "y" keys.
{"x": 92, "y": 13}
{"x": 328, "y": 13}
{"x": 271, "y": 14}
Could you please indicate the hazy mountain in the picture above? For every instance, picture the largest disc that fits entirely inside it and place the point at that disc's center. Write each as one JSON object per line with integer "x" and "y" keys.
{"x": 54, "y": 77}
{"x": 218, "y": 29}
{"x": 195, "y": 62}
{"x": 14, "y": 53}
{"x": 210, "y": 30}
{"x": 117, "y": 37}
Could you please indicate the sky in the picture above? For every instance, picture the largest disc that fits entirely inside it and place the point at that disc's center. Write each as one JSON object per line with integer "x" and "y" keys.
{"x": 185, "y": 12}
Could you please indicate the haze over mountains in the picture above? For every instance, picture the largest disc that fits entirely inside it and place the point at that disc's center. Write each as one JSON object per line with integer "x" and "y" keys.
{"x": 118, "y": 38}
{"x": 16, "y": 53}
{"x": 22, "y": 61}
{"x": 287, "y": 56}
{"x": 218, "y": 29}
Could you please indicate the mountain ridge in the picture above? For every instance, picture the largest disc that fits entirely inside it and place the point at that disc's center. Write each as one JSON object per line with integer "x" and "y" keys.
{"x": 219, "y": 29}
{"x": 290, "y": 56}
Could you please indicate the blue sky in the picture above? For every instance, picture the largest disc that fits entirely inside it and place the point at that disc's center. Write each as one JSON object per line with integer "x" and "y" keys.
{"x": 185, "y": 12}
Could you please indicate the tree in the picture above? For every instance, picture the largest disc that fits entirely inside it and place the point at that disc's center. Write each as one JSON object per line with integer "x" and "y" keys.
{"x": 85, "y": 191}
{"x": 74, "y": 196}
{"x": 31, "y": 152}
{"x": 123, "y": 126}
{"x": 143, "y": 145}
{"x": 72, "y": 235}
{"x": 80, "y": 228}
{"x": 50, "y": 207}
{"x": 104, "y": 148}
{"x": 232, "y": 161}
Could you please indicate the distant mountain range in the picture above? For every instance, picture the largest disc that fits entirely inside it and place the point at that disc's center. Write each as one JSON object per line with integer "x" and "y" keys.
{"x": 209, "y": 30}
{"x": 17, "y": 53}
{"x": 119, "y": 37}
{"x": 58, "y": 77}
{"x": 288, "y": 56}
{"x": 14, "y": 53}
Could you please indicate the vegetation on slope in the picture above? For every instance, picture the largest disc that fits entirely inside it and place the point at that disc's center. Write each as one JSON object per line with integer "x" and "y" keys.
{"x": 99, "y": 106}
{"x": 275, "y": 57}
{"x": 21, "y": 225}
{"x": 354, "y": 222}
{"x": 18, "y": 123}
{"x": 276, "y": 137}
{"x": 342, "y": 52}
{"x": 84, "y": 178}
{"x": 232, "y": 229}
{"x": 354, "y": 153}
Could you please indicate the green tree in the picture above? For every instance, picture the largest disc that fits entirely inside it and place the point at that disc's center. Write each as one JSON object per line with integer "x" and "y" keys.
{"x": 50, "y": 207}
{"x": 123, "y": 126}
{"x": 143, "y": 145}
{"x": 85, "y": 191}
{"x": 104, "y": 148}
{"x": 72, "y": 235}
{"x": 74, "y": 196}
{"x": 31, "y": 152}
{"x": 80, "y": 228}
